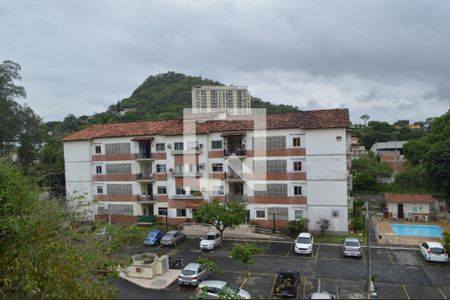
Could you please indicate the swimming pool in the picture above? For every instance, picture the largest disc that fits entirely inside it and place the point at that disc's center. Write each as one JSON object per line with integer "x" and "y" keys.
{"x": 417, "y": 230}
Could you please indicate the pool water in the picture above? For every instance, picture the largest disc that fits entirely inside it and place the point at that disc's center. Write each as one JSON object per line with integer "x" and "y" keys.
{"x": 417, "y": 230}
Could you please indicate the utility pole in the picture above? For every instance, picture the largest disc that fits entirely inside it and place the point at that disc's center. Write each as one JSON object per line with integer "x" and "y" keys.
{"x": 274, "y": 223}
{"x": 370, "y": 286}
{"x": 167, "y": 224}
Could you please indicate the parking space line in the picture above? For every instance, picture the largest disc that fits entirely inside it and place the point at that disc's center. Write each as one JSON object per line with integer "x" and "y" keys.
{"x": 273, "y": 286}
{"x": 443, "y": 295}
{"x": 406, "y": 292}
{"x": 304, "y": 287}
{"x": 267, "y": 248}
{"x": 317, "y": 253}
{"x": 245, "y": 280}
{"x": 337, "y": 293}
{"x": 289, "y": 251}
{"x": 253, "y": 273}
{"x": 418, "y": 258}
{"x": 389, "y": 255}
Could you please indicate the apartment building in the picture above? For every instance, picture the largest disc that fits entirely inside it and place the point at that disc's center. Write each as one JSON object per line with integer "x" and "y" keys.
{"x": 299, "y": 168}
{"x": 235, "y": 100}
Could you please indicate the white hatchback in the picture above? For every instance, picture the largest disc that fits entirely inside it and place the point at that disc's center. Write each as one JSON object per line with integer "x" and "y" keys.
{"x": 433, "y": 251}
{"x": 210, "y": 241}
{"x": 304, "y": 243}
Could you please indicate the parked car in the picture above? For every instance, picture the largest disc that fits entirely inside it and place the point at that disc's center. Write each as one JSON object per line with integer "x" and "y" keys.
{"x": 286, "y": 283}
{"x": 210, "y": 241}
{"x": 212, "y": 289}
{"x": 321, "y": 295}
{"x": 193, "y": 274}
{"x": 172, "y": 238}
{"x": 304, "y": 243}
{"x": 153, "y": 238}
{"x": 352, "y": 247}
{"x": 433, "y": 251}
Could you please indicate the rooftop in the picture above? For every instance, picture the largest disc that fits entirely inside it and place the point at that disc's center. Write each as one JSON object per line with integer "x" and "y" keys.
{"x": 408, "y": 198}
{"x": 314, "y": 119}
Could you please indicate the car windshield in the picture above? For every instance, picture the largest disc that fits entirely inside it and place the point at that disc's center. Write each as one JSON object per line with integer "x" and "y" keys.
{"x": 352, "y": 243}
{"x": 169, "y": 235}
{"x": 232, "y": 288}
{"x": 210, "y": 237}
{"x": 152, "y": 234}
{"x": 437, "y": 250}
{"x": 303, "y": 240}
{"x": 188, "y": 272}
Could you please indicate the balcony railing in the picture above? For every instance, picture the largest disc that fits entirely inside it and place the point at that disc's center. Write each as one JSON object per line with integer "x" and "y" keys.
{"x": 237, "y": 152}
{"x": 151, "y": 219}
{"x": 145, "y": 198}
{"x": 145, "y": 177}
{"x": 192, "y": 196}
{"x": 236, "y": 198}
{"x": 233, "y": 176}
{"x": 186, "y": 174}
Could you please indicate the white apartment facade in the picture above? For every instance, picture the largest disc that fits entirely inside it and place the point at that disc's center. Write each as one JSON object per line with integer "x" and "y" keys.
{"x": 144, "y": 169}
{"x": 235, "y": 100}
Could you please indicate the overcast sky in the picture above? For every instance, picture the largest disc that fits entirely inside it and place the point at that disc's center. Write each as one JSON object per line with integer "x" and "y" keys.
{"x": 388, "y": 59}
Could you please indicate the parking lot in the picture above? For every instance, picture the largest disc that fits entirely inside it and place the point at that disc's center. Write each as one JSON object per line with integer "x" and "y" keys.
{"x": 399, "y": 273}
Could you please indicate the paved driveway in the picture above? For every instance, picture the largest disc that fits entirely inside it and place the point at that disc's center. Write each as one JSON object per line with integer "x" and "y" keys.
{"x": 400, "y": 274}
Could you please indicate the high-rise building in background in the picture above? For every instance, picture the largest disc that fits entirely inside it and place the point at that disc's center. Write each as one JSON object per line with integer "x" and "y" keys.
{"x": 235, "y": 100}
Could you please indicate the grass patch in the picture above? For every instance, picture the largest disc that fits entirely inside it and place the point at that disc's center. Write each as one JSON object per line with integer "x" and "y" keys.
{"x": 337, "y": 239}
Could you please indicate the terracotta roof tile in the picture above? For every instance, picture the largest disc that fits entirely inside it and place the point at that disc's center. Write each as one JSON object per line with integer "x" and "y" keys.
{"x": 408, "y": 198}
{"x": 332, "y": 118}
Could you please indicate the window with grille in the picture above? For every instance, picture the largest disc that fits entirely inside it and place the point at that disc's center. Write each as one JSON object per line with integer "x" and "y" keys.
{"x": 216, "y": 144}
{"x": 297, "y": 166}
{"x": 281, "y": 213}
{"x": 98, "y": 149}
{"x": 119, "y": 189}
{"x": 298, "y": 214}
{"x": 99, "y": 189}
{"x": 162, "y": 211}
{"x": 98, "y": 169}
{"x": 269, "y": 166}
{"x": 118, "y": 168}
{"x": 101, "y": 209}
{"x": 260, "y": 214}
{"x": 180, "y": 191}
{"x": 181, "y": 212}
{"x": 217, "y": 167}
{"x": 120, "y": 209}
{"x": 178, "y": 146}
{"x": 269, "y": 142}
{"x": 178, "y": 169}
{"x": 297, "y": 190}
{"x": 161, "y": 168}
{"x": 118, "y": 148}
{"x": 296, "y": 142}
{"x": 272, "y": 190}
{"x": 160, "y": 147}
{"x": 162, "y": 190}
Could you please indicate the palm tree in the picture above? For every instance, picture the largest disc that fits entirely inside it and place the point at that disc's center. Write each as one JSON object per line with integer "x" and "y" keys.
{"x": 365, "y": 118}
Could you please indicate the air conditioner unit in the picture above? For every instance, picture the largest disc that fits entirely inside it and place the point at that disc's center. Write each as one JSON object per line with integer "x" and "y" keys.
{"x": 335, "y": 213}
{"x": 169, "y": 146}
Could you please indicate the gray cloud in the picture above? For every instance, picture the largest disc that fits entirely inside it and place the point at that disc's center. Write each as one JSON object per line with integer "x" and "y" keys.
{"x": 385, "y": 58}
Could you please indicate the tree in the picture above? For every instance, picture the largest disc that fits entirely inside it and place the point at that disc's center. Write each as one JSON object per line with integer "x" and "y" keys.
{"x": 221, "y": 216}
{"x": 51, "y": 167}
{"x": 44, "y": 254}
{"x": 365, "y": 118}
{"x": 295, "y": 227}
{"x": 366, "y": 169}
{"x": 207, "y": 263}
{"x": 324, "y": 224}
{"x": 244, "y": 253}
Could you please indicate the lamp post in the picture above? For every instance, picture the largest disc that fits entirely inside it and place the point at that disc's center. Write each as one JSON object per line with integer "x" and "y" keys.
{"x": 273, "y": 215}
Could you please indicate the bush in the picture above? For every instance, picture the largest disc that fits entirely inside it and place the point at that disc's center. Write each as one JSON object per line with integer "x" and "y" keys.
{"x": 295, "y": 227}
{"x": 447, "y": 241}
{"x": 357, "y": 215}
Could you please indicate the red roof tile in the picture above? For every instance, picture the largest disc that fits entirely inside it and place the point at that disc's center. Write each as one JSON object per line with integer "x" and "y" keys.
{"x": 406, "y": 198}
{"x": 331, "y": 118}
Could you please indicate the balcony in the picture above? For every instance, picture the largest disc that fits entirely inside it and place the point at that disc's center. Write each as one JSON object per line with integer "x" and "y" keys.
{"x": 190, "y": 150}
{"x": 146, "y": 198}
{"x": 145, "y": 177}
{"x": 145, "y": 156}
{"x": 151, "y": 219}
{"x": 193, "y": 196}
{"x": 236, "y": 198}
{"x": 238, "y": 152}
{"x": 233, "y": 176}
{"x": 186, "y": 174}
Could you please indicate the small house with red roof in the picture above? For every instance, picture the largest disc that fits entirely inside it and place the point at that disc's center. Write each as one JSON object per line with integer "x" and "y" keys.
{"x": 413, "y": 207}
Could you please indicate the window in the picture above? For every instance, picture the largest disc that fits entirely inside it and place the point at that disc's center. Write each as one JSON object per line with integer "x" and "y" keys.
{"x": 296, "y": 142}
{"x": 180, "y": 191}
{"x": 160, "y": 168}
{"x": 270, "y": 190}
{"x": 99, "y": 189}
{"x": 119, "y": 189}
{"x": 162, "y": 211}
{"x": 194, "y": 168}
{"x": 181, "y": 212}
{"x": 160, "y": 147}
{"x": 98, "y": 149}
{"x": 118, "y": 168}
{"x": 178, "y": 146}
{"x": 162, "y": 190}
{"x": 271, "y": 142}
{"x": 217, "y": 167}
{"x": 218, "y": 190}
{"x": 120, "y": 209}
{"x": 260, "y": 214}
{"x": 339, "y": 138}
{"x": 98, "y": 169}
{"x": 298, "y": 214}
{"x": 216, "y": 144}
{"x": 178, "y": 169}
{"x": 193, "y": 145}
{"x": 281, "y": 213}
{"x": 117, "y": 148}
{"x": 297, "y": 166}
{"x": 269, "y": 166}
{"x": 101, "y": 209}
{"x": 297, "y": 190}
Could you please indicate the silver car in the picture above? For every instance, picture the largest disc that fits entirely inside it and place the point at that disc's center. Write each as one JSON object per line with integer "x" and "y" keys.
{"x": 193, "y": 274}
{"x": 351, "y": 247}
{"x": 212, "y": 289}
{"x": 172, "y": 238}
